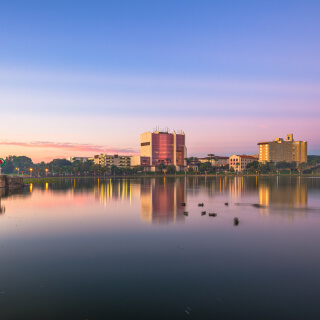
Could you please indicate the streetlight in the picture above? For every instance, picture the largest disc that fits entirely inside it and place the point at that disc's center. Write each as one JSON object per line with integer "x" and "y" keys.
{"x": 30, "y": 171}
{"x": 46, "y": 170}
{"x": 18, "y": 171}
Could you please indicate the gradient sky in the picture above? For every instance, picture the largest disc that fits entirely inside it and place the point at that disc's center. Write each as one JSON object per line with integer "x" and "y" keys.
{"x": 79, "y": 78}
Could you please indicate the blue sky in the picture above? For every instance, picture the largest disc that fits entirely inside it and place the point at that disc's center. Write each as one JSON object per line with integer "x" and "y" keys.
{"x": 99, "y": 73}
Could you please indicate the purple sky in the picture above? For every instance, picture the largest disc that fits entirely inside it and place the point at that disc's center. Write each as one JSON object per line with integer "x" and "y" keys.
{"x": 78, "y": 79}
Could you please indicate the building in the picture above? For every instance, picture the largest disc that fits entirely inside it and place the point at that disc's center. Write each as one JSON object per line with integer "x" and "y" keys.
{"x": 162, "y": 147}
{"x": 112, "y": 160}
{"x": 140, "y": 161}
{"x": 215, "y": 161}
{"x": 239, "y": 163}
{"x": 81, "y": 159}
{"x": 283, "y": 150}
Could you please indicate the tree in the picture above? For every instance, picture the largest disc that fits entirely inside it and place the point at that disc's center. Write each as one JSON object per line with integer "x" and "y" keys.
{"x": 161, "y": 166}
{"x": 302, "y": 166}
{"x": 171, "y": 168}
{"x": 8, "y": 167}
{"x": 225, "y": 167}
{"x": 114, "y": 170}
{"x": 95, "y": 168}
{"x": 231, "y": 169}
{"x": 138, "y": 169}
{"x": 253, "y": 164}
{"x": 61, "y": 162}
{"x": 22, "y": 162}
{"x": 206, "y": 167}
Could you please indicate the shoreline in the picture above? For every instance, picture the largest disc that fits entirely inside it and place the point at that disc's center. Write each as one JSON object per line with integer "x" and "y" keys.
{"x": 55, "y": 179}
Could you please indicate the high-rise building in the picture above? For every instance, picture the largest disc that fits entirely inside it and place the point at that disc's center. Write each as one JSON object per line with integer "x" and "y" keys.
{"x": 283, "y": 150}
{"x": 162, "y": 146}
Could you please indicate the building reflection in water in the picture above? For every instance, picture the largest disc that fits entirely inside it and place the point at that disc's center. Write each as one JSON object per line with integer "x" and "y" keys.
{"x": 284, "y": 193}
{"x": 239, "y": 187}
{"x": 116, "y": 189}
{"x": 161, "y": 200}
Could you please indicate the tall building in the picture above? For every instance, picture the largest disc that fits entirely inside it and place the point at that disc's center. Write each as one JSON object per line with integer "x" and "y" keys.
{"x": 283, "y": 150}
{"x": 112, "y": 160}
{"x": 162, "y": 146}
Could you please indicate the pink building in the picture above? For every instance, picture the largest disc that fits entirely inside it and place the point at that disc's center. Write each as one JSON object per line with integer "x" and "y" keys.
{"x": 162, "y": 146}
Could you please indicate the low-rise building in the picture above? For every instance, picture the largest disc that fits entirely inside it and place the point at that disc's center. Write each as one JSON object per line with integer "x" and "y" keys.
{"x": 112, "y": 160}
{"x": 215, "y": 161}
{"x": 239, "y": 162}
{"x": 81, "y": 159}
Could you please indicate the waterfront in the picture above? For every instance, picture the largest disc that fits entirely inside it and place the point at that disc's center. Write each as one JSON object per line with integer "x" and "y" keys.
{"x": 123, "y": 248}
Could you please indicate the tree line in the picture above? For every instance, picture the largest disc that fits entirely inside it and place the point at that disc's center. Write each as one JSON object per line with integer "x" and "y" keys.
{"x": 25, "y": 166}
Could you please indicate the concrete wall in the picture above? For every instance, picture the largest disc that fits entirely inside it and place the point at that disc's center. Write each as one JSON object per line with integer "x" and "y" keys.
{"x": 2, "y": 182}
{"x": 10, "y": 182}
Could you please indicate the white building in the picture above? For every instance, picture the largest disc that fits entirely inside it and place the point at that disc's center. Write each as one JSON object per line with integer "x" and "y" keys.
{"x": 112, "y": 160}
{"x": 239, "y": 162}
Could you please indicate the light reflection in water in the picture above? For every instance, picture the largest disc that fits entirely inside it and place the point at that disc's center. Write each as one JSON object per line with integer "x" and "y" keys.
{"x": 292, "y": 193}
{"x": 60, "y": 242}
{"x": 160, "y": 199}
{"x": 284, "y": 193}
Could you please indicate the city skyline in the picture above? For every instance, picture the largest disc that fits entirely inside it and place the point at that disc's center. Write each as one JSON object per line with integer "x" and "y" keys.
{"x": 78, "y": 79}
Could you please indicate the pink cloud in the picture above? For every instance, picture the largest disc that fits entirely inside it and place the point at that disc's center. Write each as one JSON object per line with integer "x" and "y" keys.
{"x": 71, "y": 147}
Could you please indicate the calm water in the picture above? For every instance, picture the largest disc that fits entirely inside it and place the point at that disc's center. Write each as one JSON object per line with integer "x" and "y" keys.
{"x": 123, "y": 249}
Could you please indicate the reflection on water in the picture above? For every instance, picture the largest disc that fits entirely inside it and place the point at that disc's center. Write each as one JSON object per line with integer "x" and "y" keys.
{"x": 81, "y": 249}
{"x": 161, "y": 200}
{"x": 113, "y": 189}
{"x": 283, "y": 192}
{"x": 12, "y": 193}
{"x": 284, "y": 197}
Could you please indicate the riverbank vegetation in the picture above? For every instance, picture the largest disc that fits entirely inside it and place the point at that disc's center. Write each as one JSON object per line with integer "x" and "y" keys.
{"x": 24, "y": 166}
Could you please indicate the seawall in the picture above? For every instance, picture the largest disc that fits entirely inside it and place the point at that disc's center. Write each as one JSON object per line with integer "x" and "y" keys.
{"x": 11, "y": 182}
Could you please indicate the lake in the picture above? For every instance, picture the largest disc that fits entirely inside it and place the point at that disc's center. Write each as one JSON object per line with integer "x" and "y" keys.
{"x": 124, "y": 249}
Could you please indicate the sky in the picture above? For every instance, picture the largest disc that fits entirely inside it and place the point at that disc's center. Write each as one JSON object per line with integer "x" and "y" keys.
{"x": 79, "y": 78}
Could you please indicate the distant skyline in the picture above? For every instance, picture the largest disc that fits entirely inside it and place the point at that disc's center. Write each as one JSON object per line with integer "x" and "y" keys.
{"x": 79, "y": 78}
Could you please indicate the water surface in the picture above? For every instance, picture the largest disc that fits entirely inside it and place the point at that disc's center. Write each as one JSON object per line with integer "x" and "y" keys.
{"x": 123, "y": 248}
